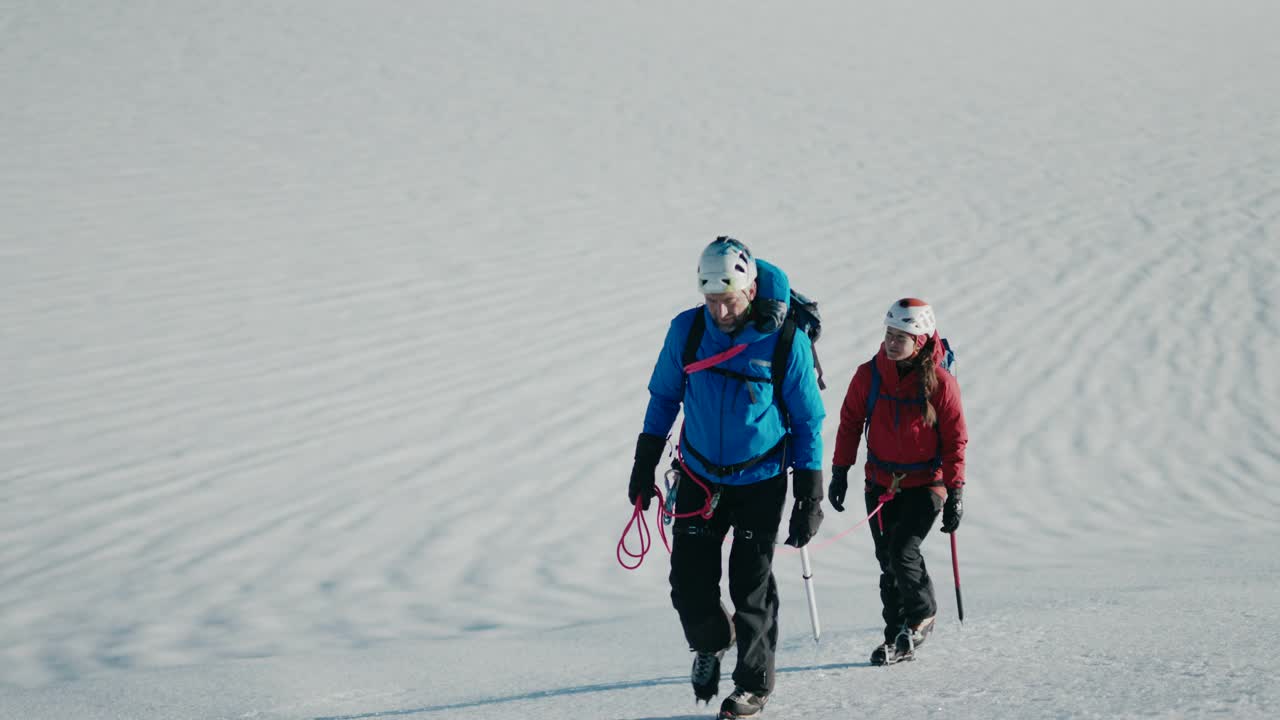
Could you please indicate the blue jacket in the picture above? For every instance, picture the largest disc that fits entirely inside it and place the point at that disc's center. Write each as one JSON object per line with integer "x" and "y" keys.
{"x": 725, "y": 422}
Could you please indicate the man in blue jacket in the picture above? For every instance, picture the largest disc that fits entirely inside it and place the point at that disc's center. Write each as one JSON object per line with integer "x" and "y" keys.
{"x": 735, "y": 447}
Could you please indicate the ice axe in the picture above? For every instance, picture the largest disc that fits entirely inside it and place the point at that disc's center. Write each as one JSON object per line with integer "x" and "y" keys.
{"x": 955, "y": 570}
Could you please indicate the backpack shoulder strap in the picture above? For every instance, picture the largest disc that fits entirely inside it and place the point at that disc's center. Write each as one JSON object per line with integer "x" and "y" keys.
{"x": 778, "y": 368}
{"x": 872, "y": 395}
{"x": 694, "y": 340}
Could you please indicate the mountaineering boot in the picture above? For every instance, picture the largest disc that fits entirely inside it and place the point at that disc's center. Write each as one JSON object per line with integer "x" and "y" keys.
{"x": 742, "y": 704}
{"x": 885, "y": 654}
{"x": 909, "y": 638}
{"x": 705, "y": 675}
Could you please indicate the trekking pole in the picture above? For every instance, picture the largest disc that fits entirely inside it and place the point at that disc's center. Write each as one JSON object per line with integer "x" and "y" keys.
{"x": 955, "y": 570}
{"x": 807, "y": 574}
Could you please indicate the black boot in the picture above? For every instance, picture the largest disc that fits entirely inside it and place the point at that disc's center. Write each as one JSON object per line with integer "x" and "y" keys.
{"x": 884, "y": 654}
{"x": 909, "y": 638}
{"x": 705, "y": 675}
{"x": 742, "y": 704}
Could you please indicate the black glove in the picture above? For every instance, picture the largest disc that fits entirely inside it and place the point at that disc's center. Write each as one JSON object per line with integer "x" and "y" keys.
{"x": 952, "y": 510}
{"x": 839, "y": 486}
{"x": 806, "y": 518}
{"x": 806, "y": 514}
{"x": 648, "y": 452}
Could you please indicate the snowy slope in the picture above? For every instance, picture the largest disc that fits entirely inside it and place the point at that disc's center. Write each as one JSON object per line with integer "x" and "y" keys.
{"x": 326, "y": 327}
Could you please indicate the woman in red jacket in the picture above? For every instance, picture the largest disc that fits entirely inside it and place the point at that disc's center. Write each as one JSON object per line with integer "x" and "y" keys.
{"x": 915, "y": 450}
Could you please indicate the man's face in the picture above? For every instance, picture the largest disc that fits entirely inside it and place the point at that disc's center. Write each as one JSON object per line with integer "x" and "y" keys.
{"x": 729, "y": 310}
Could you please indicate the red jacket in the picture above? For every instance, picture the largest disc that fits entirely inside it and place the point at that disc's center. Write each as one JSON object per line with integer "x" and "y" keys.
{"x": 898, "y": 433}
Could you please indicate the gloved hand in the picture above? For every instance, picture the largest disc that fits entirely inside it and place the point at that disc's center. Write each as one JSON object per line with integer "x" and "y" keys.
{"x": 952, "y": 510}
{"x": 806, "y": 514}
{"x": 806, "y": 518}
{"x": 648, "y": 452}
{"x": 839, "y": 486}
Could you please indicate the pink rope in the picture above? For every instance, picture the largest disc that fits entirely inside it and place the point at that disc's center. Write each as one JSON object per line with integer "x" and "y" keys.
{"x": 645, "y": 537}
{"x": 874, "y": 514}
{"x": 637, "y": 519}
{"x": 716, "y": 359}
{"x": 642, "y": 527}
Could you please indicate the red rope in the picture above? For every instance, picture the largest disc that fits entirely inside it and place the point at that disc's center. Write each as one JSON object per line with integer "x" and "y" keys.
{"x": 642, "y": 527}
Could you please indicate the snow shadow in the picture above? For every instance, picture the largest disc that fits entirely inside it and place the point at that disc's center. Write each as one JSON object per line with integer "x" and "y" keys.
{"x": 561, "y": 692}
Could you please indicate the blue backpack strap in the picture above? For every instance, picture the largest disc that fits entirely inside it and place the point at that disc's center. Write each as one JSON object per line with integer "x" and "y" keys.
{"x": 872, "y": 396}
{"x": 948, "y": 357}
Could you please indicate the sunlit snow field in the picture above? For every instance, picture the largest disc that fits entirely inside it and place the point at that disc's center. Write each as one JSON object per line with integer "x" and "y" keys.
{"x": 325, "y": 328}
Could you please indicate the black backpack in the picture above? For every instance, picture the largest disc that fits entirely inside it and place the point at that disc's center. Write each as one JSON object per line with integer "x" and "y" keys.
{"x": 802, "y": 314}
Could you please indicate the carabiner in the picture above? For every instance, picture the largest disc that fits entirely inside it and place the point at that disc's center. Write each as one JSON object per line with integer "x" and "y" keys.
{"x": 672, "y": 480}
{"x": 711, "y": 509}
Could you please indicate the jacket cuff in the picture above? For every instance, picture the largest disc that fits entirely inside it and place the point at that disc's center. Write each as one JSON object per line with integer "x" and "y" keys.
{"x": 649, "y": 448}
{"x": 806, "y": 484}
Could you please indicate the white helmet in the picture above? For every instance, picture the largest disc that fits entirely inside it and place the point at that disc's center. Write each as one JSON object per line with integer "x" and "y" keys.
{"x": 725, "y": 266}
{"x": 911, "y": 315}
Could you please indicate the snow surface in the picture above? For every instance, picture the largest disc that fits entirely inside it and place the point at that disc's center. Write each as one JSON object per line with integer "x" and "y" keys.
{"x": 326, "y": 326}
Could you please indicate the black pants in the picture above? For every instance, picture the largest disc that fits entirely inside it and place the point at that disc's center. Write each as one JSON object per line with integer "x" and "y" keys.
{"x": 754, "y": 512}
{"x": 906, "y": 592}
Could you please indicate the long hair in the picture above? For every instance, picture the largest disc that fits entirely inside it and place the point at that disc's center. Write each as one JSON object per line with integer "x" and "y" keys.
{"x": 928, "y": 380}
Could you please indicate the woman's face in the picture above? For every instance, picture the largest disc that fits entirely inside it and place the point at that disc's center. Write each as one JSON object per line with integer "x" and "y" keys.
{"x": 899, "y": 345}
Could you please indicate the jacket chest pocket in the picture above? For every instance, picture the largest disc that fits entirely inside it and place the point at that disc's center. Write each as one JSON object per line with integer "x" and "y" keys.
{"x": 759, "y": 389}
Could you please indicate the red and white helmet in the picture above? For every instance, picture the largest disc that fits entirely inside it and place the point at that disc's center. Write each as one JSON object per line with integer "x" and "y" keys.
{"x": 911, "y": 315}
